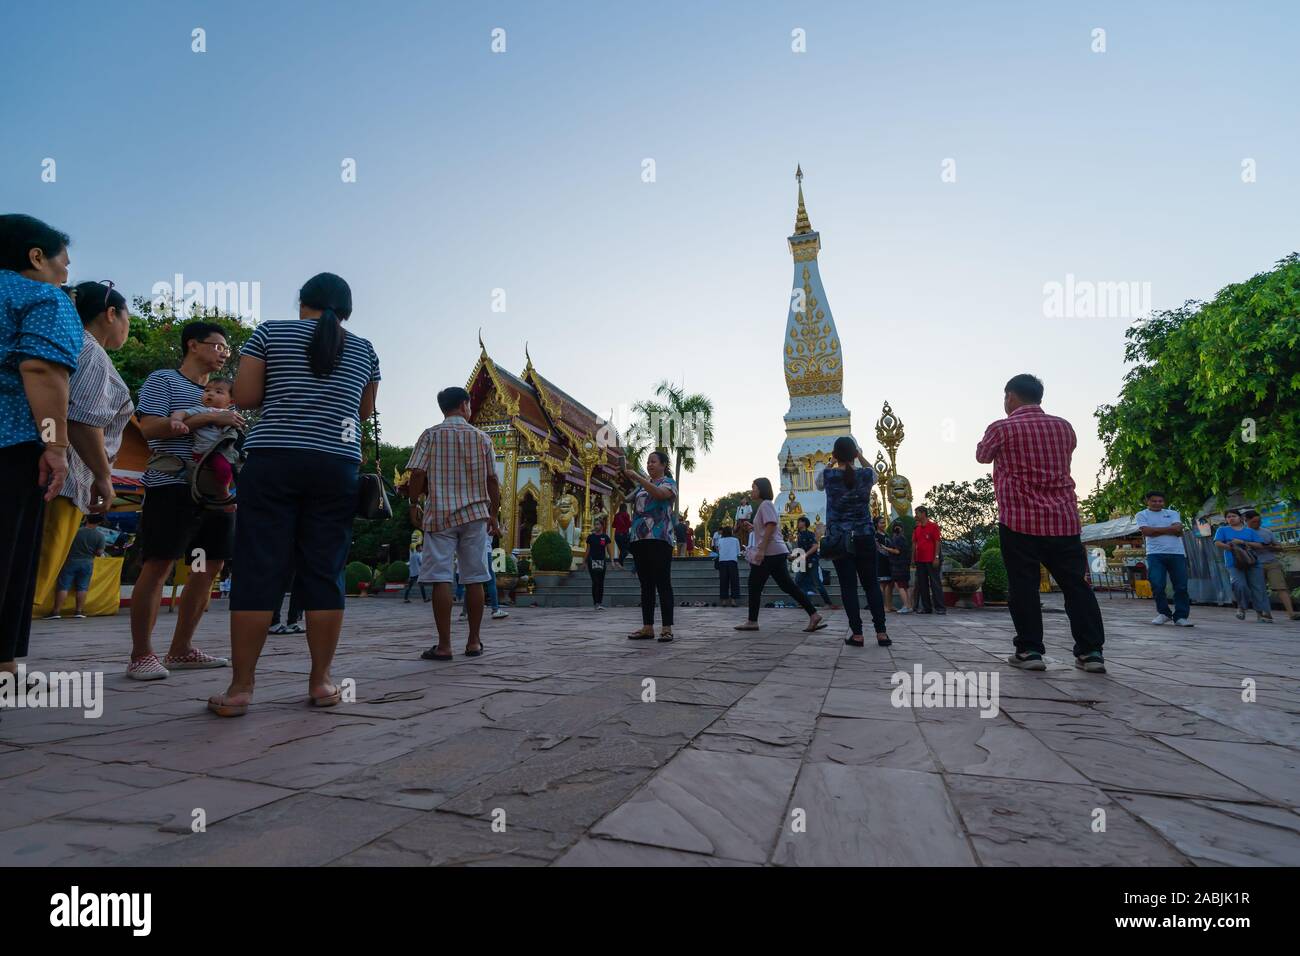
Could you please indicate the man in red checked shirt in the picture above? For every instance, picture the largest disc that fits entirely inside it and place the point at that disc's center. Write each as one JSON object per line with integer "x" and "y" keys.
{"x": 1038, "y": 523}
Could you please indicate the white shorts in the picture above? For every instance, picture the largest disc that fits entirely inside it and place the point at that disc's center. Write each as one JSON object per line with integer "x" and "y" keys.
{"x": 467, "y": 544}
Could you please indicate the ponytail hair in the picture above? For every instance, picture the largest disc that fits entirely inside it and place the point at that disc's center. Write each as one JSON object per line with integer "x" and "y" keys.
{"x": 845, "y": 450}
{"x": 333, "y": 297}
{"x": 93, "y": 299}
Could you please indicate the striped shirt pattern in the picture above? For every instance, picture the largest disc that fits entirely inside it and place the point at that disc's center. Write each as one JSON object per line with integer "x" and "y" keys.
{"x": 457, "y": 459}
{"x": 163, "y": 392}
{"x": 1030, "y": 452}
{"x": 97, "y": 397}
{"x": 37, "y": 320}
{"x": 300, "y": 410}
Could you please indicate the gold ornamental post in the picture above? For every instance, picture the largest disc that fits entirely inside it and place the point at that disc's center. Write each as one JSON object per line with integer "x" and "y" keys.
{"x": 589, "y": 455}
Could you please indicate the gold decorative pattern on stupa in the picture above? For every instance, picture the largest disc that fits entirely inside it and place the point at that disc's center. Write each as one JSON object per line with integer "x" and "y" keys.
{"x": 812, "y": 355}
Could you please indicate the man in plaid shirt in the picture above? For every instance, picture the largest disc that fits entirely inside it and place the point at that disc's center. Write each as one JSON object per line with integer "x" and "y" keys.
{"x": 453, "y": 461}
{"x": 1038, "y": 523}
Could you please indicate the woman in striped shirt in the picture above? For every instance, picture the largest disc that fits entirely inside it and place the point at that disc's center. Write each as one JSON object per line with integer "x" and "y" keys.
{"x": 315, "y": 383}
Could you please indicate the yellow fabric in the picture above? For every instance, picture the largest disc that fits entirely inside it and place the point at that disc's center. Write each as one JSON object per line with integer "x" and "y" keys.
{"x": 1142, "y": 589}
{"x": 62, "y": 519}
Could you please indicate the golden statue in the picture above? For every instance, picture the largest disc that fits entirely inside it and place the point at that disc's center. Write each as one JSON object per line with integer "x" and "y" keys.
{"x": 792, "y": 507}
{"x": 566, "y": 514}
{"x": 900, "y": 495}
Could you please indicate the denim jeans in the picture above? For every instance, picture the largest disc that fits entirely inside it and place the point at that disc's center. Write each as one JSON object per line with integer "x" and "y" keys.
{"x": 1160, "y": 568}
{"x": 810, "y": 580}
{"x": 1248, "y": 588}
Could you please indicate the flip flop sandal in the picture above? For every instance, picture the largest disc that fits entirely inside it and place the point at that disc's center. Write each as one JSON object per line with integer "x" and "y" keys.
{"x": 747, "y": 626}
{"x": 219, "y": 707}
{"x": 477, "y": 653}
{"x": 641, "y": 636}
{"x": 329, "y": 700}
{"x": 665, "y": 637}
{"x": 433, "y": 655}
{"x": 819, "y": 626}
{"x": 852, "y": 643}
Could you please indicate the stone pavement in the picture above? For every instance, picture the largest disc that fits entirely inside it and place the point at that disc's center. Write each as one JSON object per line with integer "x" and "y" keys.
{"x": 775, "y": 747}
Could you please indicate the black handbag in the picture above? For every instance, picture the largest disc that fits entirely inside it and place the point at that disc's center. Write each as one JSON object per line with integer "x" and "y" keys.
{"x": 837, "y": 545}
{"x": 373, "y": 502}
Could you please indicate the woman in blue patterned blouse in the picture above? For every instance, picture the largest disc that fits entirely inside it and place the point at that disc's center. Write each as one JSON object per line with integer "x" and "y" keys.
{"x": 40, "y": 339}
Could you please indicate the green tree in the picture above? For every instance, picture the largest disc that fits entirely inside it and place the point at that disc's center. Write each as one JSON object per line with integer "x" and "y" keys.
{"x": 154, "y": 341}
{"x": 676, "y": 423}
{"x": 966, "y": 512}
{"x": 1212, "y": 403}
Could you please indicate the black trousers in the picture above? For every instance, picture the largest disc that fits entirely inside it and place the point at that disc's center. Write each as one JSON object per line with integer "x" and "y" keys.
{"x": 1066, "y": 561}
{"x": 654, "y": 569}
{"x": 728, "y": 580}
{"x": 850, "y": 571}
{"x": 22, "y": 507}
{"x": 774, "y": 566}
{"x": 295, "y": 605}
{"x": 597, "y": 584}
{"x": 929, "y": 588}
{"x": 622, "y": 539}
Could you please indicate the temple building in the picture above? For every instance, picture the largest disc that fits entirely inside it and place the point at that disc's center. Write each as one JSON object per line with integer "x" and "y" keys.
{"x": 814, "y": 377}
{"x": 556, "y": 459}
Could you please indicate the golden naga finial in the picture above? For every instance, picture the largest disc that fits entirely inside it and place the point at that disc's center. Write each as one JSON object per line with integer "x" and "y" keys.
{"x": 801, "y": 224}
{"x": 482, "y": 348}
{"x": 527, "y": 356}
{"x": 889, "y": 432}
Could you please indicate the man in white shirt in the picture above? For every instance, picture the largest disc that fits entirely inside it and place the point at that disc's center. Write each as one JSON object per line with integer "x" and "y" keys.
{"x": 1166, "y": 558}
{"x": 728, "y": 548}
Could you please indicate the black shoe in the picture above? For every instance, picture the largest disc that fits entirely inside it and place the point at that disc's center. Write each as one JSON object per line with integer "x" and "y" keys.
{"x": 432, "y": 655}
{"x": 883, "y": 640}
{"x": 1027, "y": 662}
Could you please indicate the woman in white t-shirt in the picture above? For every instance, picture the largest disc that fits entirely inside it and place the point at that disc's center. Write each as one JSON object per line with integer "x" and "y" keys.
{"x": 767, "y": 556}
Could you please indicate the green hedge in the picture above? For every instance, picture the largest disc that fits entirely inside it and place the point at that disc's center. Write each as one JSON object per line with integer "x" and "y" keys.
{"x": 995, "y": 574}
{"x": 398, "y": 571}
{"x": 551, "y": 552}
{"x": 354, "y": 574}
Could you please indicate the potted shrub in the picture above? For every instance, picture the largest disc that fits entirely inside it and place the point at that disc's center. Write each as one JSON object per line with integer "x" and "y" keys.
{"x": 353, "y": 576}
{"x": 508, "y": 579}
{"x": 995, "y": 574}
{"x": 551, "y": 553}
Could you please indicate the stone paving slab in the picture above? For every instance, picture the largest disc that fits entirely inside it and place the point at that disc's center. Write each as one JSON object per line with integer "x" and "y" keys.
{"x": 568, "y": 745}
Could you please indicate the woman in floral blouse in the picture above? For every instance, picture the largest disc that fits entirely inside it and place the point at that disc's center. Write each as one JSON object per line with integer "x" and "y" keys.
{"x": 652, "y": 540}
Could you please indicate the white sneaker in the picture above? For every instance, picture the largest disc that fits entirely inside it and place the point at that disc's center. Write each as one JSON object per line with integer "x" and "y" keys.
{"x": 1183, "y": 622}
{"x": 498, "y": 614}
{"x": 1160, "y": 619}
{"x": 146, "y": 668}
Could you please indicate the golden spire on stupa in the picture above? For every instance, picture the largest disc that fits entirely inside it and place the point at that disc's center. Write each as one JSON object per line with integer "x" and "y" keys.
{"x": 801, "y": 224}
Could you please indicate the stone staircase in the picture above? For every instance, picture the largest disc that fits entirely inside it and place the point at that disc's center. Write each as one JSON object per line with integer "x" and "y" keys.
{"x": 695, "y": 582}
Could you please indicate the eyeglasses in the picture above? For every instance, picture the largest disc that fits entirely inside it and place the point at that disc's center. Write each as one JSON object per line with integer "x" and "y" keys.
{"x": 221, "y": 347}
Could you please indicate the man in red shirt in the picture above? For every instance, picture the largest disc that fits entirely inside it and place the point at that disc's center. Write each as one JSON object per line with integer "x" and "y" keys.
{"x": 1038, "y": 523}
{"x": 925, "y": 551}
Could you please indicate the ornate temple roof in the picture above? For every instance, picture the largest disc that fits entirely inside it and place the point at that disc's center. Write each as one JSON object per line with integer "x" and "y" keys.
{"x": 552, "y": 424}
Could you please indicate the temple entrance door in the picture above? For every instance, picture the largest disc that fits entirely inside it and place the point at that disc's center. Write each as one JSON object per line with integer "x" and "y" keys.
{"x": 527, "y": 519}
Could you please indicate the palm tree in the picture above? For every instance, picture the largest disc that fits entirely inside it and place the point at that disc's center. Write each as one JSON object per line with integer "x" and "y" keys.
{"x": 680, "y": 424}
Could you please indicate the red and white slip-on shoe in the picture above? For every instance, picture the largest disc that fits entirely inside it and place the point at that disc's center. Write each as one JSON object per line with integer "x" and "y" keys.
{"x": 146, "y": 668}
{"x": 194, "y": 660}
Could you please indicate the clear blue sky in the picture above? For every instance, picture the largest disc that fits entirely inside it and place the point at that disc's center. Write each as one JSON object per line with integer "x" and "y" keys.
{"x": 522, "y": 171}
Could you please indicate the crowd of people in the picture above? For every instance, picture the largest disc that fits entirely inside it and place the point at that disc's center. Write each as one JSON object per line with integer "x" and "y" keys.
{"x": 312, "y": 382}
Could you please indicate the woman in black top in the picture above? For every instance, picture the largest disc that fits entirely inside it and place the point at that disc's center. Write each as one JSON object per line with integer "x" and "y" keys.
{"x": 884, "y": 551}
{"x": 597, "y": 558}
{"x": 900, "y": 561}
